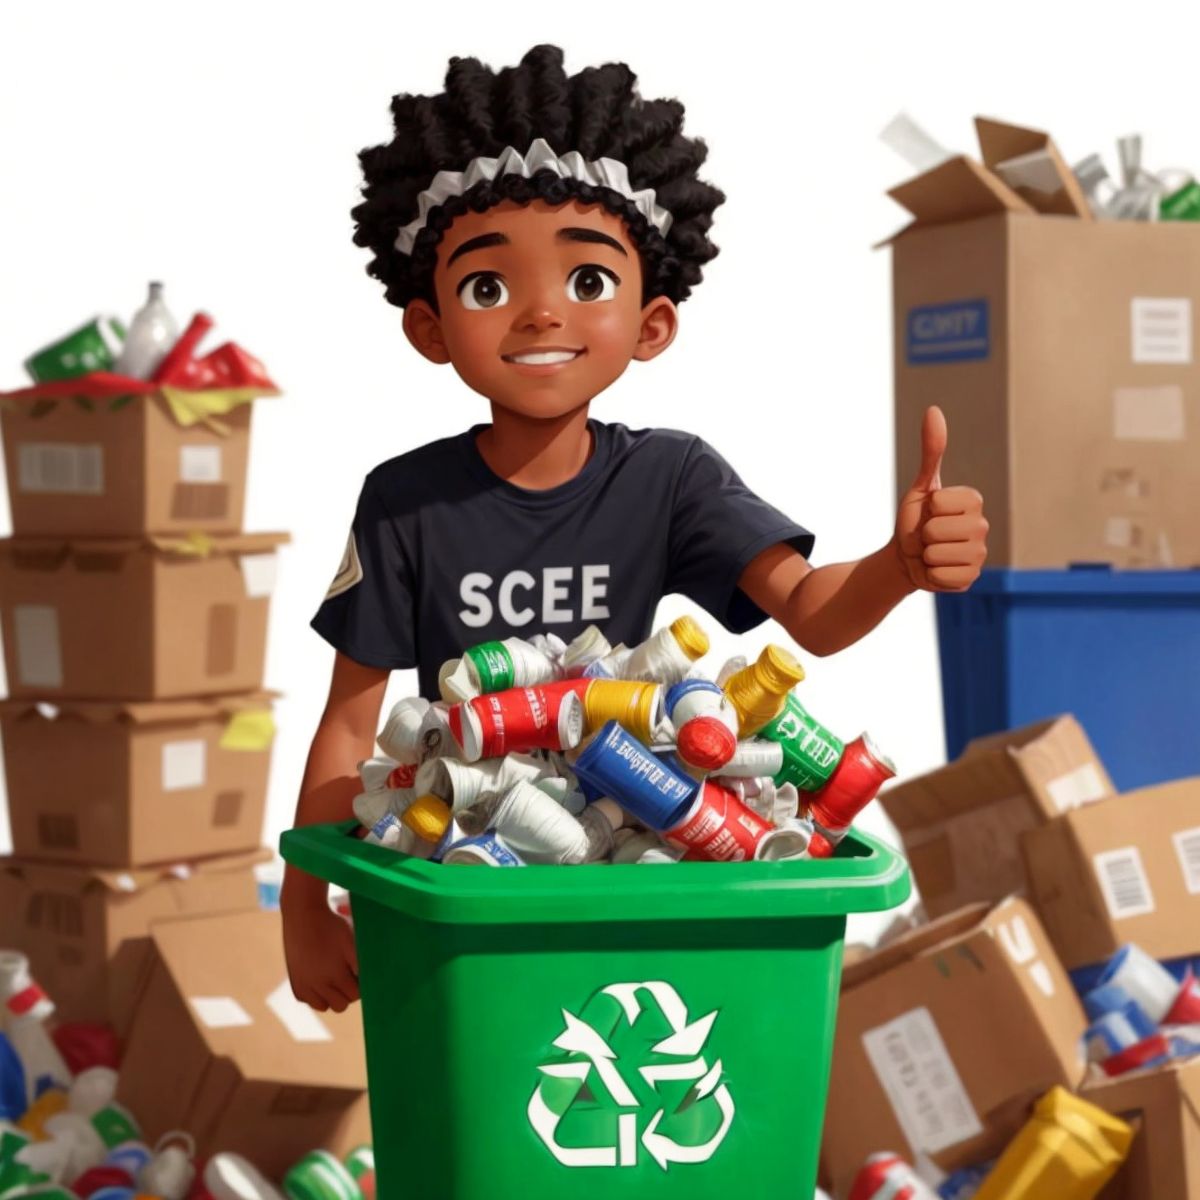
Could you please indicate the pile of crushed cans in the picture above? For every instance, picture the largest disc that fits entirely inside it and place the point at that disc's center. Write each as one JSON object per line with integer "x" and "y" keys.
{"x": 543, "y": 752}
{"x": 1171, "y": 194}
{"x": 1140, "y": 1014}
{"x": 63, "y": 1135}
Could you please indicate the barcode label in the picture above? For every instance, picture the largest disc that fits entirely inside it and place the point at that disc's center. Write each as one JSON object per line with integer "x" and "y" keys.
{"x": 60, "y": 467}
{"x": 1123, "y": 882}
{"x": 922, "y": 1084}
{"x": 1162, "y": 329}
{"x": 1187, "y": 846}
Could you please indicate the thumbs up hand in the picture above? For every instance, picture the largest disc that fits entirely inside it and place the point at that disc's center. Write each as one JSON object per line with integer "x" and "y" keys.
{"x": 941, "y": 533}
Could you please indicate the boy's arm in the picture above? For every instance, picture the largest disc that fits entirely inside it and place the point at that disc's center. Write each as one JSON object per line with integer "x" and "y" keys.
{"x": 319, "y": 944}
{"x": 939, "y": 545}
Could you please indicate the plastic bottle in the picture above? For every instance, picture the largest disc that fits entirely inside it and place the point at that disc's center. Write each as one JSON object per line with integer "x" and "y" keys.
{"x": 667, "y": 656}
{"x": 759, "y": 692}
{"x": 26, "y": 1010}
{"x": 152, "y": 333}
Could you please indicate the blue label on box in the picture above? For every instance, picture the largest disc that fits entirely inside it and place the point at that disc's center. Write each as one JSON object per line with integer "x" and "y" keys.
{"x": 941, "y": 333}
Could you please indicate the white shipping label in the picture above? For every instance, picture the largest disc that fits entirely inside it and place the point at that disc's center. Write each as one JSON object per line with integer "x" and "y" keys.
{"x": 1187, "y": 846}
{"x": 1162, "y": 329}
{"x": 258, "y": 573}
{"x": 920, "y": 1079}
{"x": 60, "y": 467}
{"x": 200, "y": 464}
{"x": 296, "y": 1017}
{"x": 219, "y": 1012}
{"x": 39, "y": 650}
{"x": 183, "y": 765}
{"x": 1123, "y": 882}
{"x": 1077, "y": 787}
{"x": 1150, "y": 414}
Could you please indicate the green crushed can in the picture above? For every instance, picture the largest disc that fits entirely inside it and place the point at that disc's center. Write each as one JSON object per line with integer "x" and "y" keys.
{"x": 810, "y": 751}
{"x": 321, "y": 1176}
{"x": 494, "y": 663}
{"x": 662, "y": 1032}
{"x": 93, "y": 347}
{"x": 1181, "y": 205}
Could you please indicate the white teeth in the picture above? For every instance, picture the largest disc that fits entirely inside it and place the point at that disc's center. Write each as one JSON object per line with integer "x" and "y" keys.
{"x": 544, "y": 358}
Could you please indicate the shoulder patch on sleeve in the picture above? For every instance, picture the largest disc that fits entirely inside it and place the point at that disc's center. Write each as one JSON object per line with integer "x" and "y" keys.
{"x": 349, "y": 571}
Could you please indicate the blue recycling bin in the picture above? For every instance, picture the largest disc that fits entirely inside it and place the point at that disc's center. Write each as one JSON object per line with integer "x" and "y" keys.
{"x": 1119, "y": 649}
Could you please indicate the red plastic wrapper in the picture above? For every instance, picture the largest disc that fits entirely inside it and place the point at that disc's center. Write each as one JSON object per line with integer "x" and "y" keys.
{"x": 86, "y": 1044}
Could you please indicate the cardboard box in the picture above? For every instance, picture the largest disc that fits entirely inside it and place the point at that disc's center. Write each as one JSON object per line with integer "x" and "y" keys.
{"x": 129, "y": 784}
{"x": 1064, "y": 354}
{"x": 1164, "y": 1162}
{"x": 220, "y": 1047}
{"x": 1124, "y": 870}
{"x": 112, "y": 468}
{"x": 86, "y": 931}
{"x": 945, "y": 1038}
{"x": 136, "y": 619}
{"x": 961, "y": 823}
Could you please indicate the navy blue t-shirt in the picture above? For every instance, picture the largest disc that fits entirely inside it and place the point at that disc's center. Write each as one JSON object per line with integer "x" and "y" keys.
{"x": 444, "y": 554}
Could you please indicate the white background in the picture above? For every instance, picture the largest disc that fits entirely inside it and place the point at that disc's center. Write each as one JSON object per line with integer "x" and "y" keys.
{"x": 215, "y": 148}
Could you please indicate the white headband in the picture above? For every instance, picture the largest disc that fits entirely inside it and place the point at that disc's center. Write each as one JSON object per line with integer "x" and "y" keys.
{"x": 604, "y": 172}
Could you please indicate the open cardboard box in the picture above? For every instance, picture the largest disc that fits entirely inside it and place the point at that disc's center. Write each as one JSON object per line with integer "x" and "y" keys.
{"x": 1164, "y": 1161}
{"x": 128, "y": 784}
{"x": 139, "y": 618}
{"x": 1062, "y": 350}
{"x": 960, "y": 823}
{"x": 220, "y": 1047}
{"x": 86, "y": 930}
{"x": 944, "y": 1039}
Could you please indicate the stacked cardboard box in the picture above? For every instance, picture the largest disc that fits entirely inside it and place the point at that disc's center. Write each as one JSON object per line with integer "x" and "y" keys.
{"x": 1031, "y": 867}
{"x": 137, "y": 735}
{"x": 1062, "y": 351}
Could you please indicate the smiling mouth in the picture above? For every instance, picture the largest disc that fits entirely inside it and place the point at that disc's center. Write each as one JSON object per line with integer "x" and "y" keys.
{"x": 542, "y": 358}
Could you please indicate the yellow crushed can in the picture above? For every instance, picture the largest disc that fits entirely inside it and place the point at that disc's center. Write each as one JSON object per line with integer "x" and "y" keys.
{"x": 1068, "y": 1150}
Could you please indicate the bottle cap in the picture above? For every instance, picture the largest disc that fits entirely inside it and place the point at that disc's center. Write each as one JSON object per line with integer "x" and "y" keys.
{"x": 427, "y": 816}
{"x": 779, "y": 669}
{"x": 693, "y": 641}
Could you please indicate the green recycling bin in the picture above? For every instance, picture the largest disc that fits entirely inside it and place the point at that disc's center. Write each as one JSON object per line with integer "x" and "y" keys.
{"x": 598, "y": 1031}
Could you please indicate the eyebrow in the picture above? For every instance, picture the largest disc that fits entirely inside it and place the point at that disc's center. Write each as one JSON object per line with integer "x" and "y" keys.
{"x": 573, "y": 233}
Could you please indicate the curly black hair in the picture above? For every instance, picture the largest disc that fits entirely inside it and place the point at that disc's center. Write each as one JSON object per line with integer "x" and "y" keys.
{"x": 598, "y": 112}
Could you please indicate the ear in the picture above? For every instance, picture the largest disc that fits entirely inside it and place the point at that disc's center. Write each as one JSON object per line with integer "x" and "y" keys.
{"x": 660, "y": 323}
{"x": 424, "y": 331}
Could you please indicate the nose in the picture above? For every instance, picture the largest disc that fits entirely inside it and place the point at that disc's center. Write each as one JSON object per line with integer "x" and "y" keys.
{"x": 539, "y": 313}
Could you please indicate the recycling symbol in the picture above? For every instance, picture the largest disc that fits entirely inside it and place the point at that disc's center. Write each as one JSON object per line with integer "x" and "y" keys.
{"x": 632, "y": 1075}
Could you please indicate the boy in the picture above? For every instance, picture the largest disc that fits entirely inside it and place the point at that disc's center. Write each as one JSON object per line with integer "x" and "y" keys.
{"x": 539, "y": 232}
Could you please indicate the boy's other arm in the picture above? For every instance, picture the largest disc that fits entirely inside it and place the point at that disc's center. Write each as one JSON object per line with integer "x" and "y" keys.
{"x": 318, "y": 943}
{"x": 939, "y": 545}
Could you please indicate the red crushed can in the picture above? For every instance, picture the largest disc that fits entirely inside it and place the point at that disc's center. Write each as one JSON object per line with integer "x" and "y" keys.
{"x": 516, "y": 720}
{"x": 855, "y": 782}
{"x": 719, "y": 827}
{"x": 888, "y": 1177}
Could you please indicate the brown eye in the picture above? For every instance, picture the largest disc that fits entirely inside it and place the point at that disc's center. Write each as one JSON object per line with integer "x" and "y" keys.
{"x": 590, "y": 282}
{"x": 482, "y": 290}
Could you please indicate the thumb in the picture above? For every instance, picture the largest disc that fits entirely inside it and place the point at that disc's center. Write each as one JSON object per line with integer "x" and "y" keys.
{"x": 933, "y": 448}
